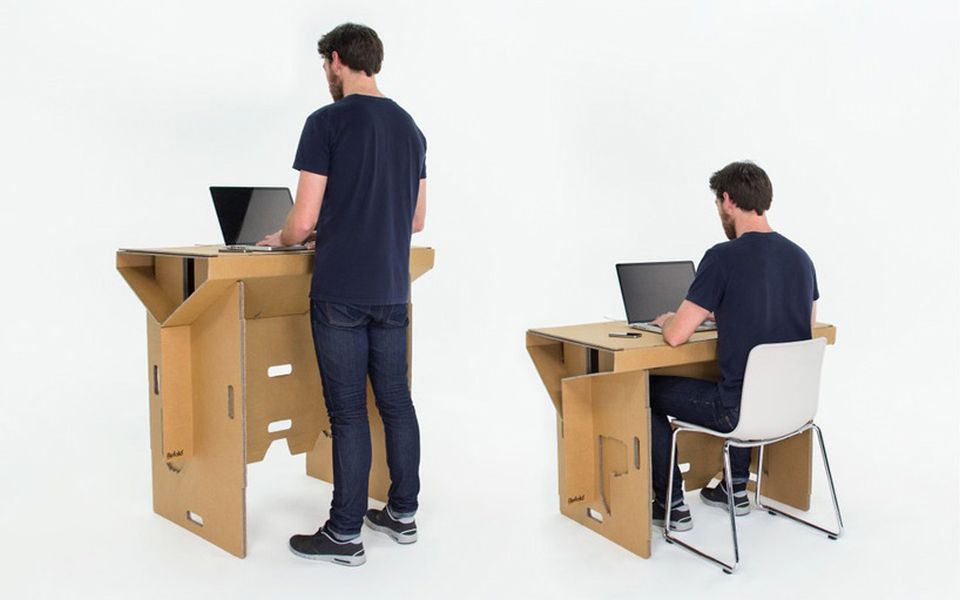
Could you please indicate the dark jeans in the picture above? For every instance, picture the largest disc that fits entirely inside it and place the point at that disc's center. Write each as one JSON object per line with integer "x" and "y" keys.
{"x": 353, "y": 341}
{"x": 695, "y": 401}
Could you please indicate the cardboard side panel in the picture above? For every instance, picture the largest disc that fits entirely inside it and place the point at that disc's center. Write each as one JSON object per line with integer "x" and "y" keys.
{"x": 138, "y": 272}
{"x": 708, "y": 371}
{"x": 206, "y": 492}
{"x": 267, "y": 297}
{"x": 198, "y": 302}
{"x": 421, "y": 261}
{"x": 547, "y": 357}
{"x": 606, "y": 442}
{"x": 282, "y": 384}
{"x": 176, "y": 392}
{"x": 169, "y": 274}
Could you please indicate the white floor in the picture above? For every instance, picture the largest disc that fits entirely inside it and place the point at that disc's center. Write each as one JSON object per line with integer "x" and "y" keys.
{"x": 77, "y": 522}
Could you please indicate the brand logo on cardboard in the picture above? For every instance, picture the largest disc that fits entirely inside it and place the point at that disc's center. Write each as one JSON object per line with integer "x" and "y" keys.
{"x": 175, "y": 454}
{"x": 575, "y": 499}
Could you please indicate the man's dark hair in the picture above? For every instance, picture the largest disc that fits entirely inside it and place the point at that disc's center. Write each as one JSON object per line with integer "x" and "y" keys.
{"x": 747, "y": 185}
{"x": 358, "y": 46}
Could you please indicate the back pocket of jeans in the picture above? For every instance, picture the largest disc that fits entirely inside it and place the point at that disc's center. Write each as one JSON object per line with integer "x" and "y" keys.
{"x": 396, "y": 316}
{"x": 342, "y": 315}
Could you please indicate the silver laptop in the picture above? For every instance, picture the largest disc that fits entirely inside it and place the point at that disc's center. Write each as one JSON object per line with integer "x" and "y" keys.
{"x": 653, "y": 288}
{"x": 249, "y": 214}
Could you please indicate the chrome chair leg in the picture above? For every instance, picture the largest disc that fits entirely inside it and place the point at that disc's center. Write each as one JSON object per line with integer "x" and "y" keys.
{"x": 833, "y": 535}
{"x": 728, "y": 478}
{"x": 668, "y": 509}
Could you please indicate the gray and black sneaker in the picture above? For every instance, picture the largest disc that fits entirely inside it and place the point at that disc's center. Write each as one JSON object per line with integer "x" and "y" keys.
{"x": 323, "y": 546}
{"x": 717, "y": 496}
{"x": 680, "y": 519}
{"x": 383, "y": 521}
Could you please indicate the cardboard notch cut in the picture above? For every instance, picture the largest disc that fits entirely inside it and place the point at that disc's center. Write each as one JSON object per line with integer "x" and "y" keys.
{"x": 596, "y": 515}
{"x": 230, "y": 401}
{"x": 684, "y": 467}
{"x": 636, "y": 453}
{"x": 276, "y": 426}
{"x": 194, "y": 518}
{"x": 279, "y": 370}
{"x": 156, "y": 380}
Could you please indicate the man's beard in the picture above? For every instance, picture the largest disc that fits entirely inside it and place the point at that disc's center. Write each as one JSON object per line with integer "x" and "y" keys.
{"x": 729, "y": 228}
{"x": 336, "y": 87}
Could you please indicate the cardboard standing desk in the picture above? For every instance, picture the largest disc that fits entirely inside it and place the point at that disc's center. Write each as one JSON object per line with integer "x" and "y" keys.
{"x": 231, "y": 370}
{"x": 599, "y": 388}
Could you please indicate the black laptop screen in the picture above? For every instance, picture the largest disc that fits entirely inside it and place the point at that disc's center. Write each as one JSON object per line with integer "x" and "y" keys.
{"x": 248, "y": 214}
{"x": 651, "y": 289}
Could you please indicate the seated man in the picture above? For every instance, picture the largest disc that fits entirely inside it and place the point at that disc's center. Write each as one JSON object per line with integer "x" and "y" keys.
{"x": 760, "y": 288}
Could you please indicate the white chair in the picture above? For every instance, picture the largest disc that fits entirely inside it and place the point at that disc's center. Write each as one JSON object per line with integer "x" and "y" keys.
{"x": 781, "y": 386}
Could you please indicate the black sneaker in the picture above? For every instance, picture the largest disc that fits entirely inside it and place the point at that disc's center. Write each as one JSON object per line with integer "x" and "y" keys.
{"x": 382, "y": 521}
{"x": 680, "y": 519}
{"x": 323, "y": 546}
{"x": 717, "y": 496}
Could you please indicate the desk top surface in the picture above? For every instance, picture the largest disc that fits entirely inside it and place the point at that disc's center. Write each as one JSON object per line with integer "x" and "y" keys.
{"x": 597, "y": 335}
{"x": 213, "y": 251}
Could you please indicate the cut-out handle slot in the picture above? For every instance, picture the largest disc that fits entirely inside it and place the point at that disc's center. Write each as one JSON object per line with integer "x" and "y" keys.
{"x": 279, "y": 370}
{"x": 230, "y": 401}
{"x": 279, "y": 425}
{"x": 156, "y": 380}
{"x": 194, "y": 518}
{"x": 596, "y": 515}
{"x": 636, "y": 452}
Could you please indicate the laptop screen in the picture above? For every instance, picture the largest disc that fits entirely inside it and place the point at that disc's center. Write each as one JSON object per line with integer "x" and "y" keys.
{"x": 248, "y": 214}
{"x": 651, "y": 289}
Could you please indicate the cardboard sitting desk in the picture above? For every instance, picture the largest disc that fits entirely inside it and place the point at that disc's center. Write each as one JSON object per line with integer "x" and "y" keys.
{"x": 232, "y": 369}
{"x": 599, "y": 387}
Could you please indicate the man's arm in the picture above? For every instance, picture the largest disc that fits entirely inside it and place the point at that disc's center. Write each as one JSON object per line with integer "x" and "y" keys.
{"x": 813, "y": 317}
{"x": 420, "y": 214}
{"x": 302, "y": 219}
{"x": 678, "y": 327}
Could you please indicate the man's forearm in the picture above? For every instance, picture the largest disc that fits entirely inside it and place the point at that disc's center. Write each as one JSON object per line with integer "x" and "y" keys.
{"x": 293, "y": 233}
{"x": 291, "y": 236}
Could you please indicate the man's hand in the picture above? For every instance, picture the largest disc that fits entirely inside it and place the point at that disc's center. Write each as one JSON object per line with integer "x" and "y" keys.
{"x": 659, "y": 321}
{"x": 272, "y": 239}
{"x": 677, "y": 328}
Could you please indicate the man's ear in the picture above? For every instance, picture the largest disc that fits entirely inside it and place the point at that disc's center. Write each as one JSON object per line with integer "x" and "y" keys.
{"x": 727, "y": 204}
{"x": 335, "y": 61}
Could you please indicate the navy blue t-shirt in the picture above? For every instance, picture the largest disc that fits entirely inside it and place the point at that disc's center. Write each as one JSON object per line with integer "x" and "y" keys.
{"x": 373, "y": 155}
{"x": 761, "y": 288}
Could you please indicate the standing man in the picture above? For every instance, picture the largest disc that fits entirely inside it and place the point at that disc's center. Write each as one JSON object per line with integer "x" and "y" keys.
{"x": 762, "y": 289}
{"x": 362, "y": 188}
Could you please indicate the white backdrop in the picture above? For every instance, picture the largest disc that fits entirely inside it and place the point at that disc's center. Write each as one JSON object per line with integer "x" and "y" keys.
{"x": 563, "y": 137}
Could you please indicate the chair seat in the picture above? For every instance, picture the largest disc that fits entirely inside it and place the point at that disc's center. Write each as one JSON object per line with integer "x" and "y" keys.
{"x": 701, "y": 429}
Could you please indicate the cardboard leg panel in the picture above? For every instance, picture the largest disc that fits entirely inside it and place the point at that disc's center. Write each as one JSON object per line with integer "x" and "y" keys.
{"x": 700, "y": 457}
{"x": 283, "y": 391}
{"x": 205, "y": 493}
{"x": 555, "y": 361}
{"x": 787, "y": 471}
{"x": 606, "y": 447}
{"x": 320, "y": 458}
{"x": 176, "y": 392}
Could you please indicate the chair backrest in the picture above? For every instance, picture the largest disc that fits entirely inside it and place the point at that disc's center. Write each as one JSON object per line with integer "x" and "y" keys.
{"x": 781, "y": 386}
